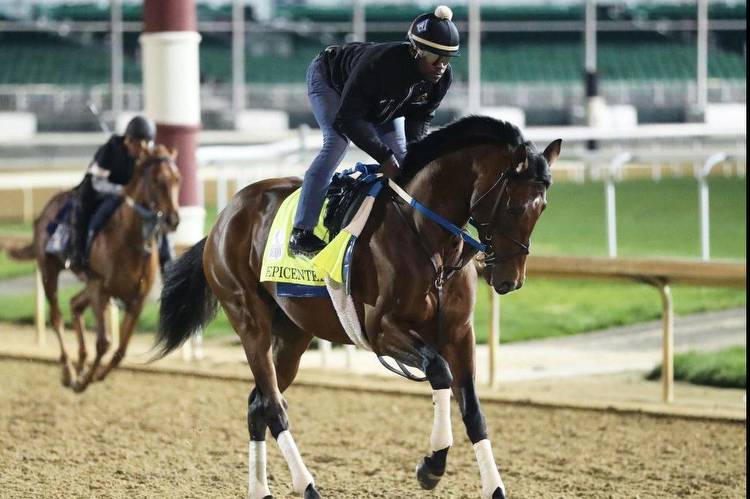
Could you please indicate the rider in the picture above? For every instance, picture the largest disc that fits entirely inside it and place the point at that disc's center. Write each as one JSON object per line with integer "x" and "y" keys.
{"x": 378, "y": 95}
{"x": 111, "y": 168}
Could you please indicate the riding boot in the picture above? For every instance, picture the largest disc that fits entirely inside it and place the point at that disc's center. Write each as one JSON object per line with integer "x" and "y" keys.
{"x": 79, "y": 242}
{"x": 304, "y": 242}
{"x": 87, "y": 249}
{"x": 166, "y": 253}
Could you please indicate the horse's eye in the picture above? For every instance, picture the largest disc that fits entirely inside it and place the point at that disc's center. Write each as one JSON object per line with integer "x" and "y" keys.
{"x": 516, "y": 212}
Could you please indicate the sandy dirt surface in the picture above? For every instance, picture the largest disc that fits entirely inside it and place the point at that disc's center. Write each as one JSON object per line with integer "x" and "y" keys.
{"x": 166, "y": 436}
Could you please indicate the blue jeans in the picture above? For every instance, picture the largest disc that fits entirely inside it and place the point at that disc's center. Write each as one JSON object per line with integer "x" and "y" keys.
{"x": 325, "y": 102}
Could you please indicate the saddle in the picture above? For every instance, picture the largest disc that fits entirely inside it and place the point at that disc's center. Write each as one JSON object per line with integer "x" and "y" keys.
{"x": 345, "y": 194}
{"x": 60, "y": 230}
{"x": 302, "y": 277}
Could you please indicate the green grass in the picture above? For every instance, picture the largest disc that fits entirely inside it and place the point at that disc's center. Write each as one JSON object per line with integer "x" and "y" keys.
{"x": 20, "y": 309}
{"x": 654, "y": 219}
{"x": 725, "y": 369}
{"x": 10, "y": 268}
{"x": 548, "y": 308}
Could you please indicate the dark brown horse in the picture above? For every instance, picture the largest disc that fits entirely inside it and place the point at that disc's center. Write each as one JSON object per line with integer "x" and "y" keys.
{"x": 123, "y": 261}
{"x": 412, "y": 290}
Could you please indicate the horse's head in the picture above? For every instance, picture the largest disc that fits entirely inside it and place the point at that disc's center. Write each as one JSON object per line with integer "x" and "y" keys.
{"x": 156, "y": 183}
{"x": 505, "y": 209}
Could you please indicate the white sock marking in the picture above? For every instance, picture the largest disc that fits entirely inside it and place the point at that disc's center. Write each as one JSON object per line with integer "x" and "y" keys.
{"x": 442, "y": 436}
{"x": 257, "y": 486}
{"x": 301, "y": 478}
{"x": 487, "y": 469}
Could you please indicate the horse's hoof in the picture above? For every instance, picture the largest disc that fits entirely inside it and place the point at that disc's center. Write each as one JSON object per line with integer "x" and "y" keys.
{"x": 311, "y": 493}
{"x": 101, "y": 373}
{"x": 431, "y": 469}
{"x": 498, "y": 494}
{"x": 67, "y": 376}
{"x": 425, "y": 476}
{"x": 79, "y": 386}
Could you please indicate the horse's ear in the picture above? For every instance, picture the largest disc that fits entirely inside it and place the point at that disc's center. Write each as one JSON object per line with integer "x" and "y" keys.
{"x": 173, "y": 153}
{"x": 521, "y": 158}
{"x": 552, "y": 151}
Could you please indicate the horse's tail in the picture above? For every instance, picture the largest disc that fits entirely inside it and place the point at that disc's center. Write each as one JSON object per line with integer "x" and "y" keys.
{"x": 23, "y": 253}
{"x": 187, "y": 302}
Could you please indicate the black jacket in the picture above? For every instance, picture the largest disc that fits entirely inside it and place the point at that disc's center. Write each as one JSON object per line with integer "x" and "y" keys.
{"x": 110, "y": 169}
{"x": 113, "y": 157}
{"x": 379, "y": 82}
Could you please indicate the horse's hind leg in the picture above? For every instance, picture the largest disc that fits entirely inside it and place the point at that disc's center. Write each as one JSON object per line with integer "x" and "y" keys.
{"x": 251, "y": 317}
{"x": 50, "y": 274}
{"x": 289, "y": 343}
{"x": 99, "y": 301}
{"x": 460, "y": 357}
{"x": 78, "y": 305}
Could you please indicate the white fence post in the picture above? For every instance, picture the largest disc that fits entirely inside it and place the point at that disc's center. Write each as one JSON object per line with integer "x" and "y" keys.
{"x": 325, "y": 352}
{"x": 493, "y": 341}
{"x": 609, "y": 187}
{"x": 222, "y": 188}
{"x": 349, "y": 351}
{"x": 712, "y": 161}
{"x": 112, "y": 321}
{"x": 39, "y": 319}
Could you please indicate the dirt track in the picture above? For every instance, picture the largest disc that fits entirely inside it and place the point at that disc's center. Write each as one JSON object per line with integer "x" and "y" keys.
{"x": 158, "y": 436}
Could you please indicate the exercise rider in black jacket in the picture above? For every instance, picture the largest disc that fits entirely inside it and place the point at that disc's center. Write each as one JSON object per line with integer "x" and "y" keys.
{"x": 378, "y": 95}
{"x": 101, "y": 190}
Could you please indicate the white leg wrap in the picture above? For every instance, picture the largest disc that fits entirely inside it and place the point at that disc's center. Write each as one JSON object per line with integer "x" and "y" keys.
{"x": 442, "y": 436}
{"x": 488, "y": 469}
{"x": 301, "y": 478}
{"x": 257, "y": 485}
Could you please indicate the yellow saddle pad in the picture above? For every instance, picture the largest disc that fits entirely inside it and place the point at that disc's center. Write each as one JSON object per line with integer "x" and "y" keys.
{"x": 279, "y": 265}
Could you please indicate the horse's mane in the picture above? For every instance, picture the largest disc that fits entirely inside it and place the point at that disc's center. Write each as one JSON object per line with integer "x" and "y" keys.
{"x": 466, "y": 132}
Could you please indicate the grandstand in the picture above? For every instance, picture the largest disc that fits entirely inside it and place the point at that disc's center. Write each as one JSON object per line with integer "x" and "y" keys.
{"x": 67, "y": 46}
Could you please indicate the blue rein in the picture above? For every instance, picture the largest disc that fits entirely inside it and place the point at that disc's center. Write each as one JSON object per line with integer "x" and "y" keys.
{"x": 450, "y": 227}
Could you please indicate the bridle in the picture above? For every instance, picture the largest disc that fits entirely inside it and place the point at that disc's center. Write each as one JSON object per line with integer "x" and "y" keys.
{"x": 444, "y": 272}
{"x": 152, "y": 220}
{"x": 485, "y": 235}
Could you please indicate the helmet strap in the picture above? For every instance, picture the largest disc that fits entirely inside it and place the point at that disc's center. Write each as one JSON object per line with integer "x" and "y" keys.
{"x": 417, "y": 51}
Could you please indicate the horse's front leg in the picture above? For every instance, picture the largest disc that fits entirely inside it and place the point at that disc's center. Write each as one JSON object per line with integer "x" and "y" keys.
{"x": 460, "y": 357}
{"x": 432, "y": 468}
{"x": 411, "y": 350}
{"x": 126, "y": 331}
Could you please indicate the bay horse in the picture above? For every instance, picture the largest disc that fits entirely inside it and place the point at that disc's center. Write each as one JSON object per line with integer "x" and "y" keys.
{"x": 413, "y": 292}
{"x": 123, "y": 261}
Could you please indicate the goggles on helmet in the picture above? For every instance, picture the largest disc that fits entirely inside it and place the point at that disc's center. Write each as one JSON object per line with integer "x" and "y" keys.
{"x": 433, "y": 58}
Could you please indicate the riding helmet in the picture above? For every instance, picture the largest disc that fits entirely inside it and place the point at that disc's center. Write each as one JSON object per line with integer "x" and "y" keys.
{"x": 435, "y": 32}
{"x": 141, "y": 128}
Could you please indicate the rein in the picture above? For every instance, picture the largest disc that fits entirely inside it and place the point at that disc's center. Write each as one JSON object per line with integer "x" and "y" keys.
{"x": 444, "y": 272}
